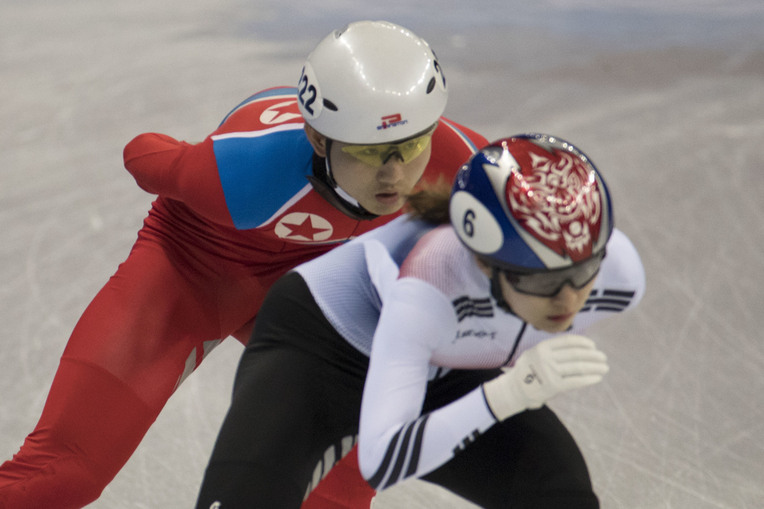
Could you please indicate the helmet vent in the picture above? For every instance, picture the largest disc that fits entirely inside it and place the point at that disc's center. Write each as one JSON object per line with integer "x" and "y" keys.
{"x": 330, "y": 105}
{"x": 431, "y": 85}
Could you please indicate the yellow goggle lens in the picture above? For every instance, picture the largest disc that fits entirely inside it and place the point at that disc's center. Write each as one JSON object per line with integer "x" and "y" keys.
{"x": 378, "y": 155}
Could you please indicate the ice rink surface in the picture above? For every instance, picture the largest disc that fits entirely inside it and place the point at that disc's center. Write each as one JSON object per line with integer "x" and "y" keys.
{"x": 667, "y": 97}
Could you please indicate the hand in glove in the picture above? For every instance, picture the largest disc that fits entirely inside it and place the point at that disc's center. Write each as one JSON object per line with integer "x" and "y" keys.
{"x": 556, "y": 365}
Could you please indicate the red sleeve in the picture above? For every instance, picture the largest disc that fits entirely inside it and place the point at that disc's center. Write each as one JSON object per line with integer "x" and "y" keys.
{"x": 452, "y": 145}
{"x": 478, "y": 139}
{"x": 179, "y": 170}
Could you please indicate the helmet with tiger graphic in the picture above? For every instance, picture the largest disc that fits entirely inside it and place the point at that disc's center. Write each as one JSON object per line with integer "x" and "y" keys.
{"x": 532, "y": 203}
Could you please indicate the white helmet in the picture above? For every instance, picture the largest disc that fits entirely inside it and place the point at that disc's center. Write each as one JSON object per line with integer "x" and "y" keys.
{"x": 371, "y": 82}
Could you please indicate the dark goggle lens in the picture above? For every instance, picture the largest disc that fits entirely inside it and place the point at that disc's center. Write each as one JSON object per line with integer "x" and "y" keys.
{"x": 548, "y": 284}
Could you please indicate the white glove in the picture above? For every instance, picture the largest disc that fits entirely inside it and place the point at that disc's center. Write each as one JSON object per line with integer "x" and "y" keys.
{"x": 556, "y": 365}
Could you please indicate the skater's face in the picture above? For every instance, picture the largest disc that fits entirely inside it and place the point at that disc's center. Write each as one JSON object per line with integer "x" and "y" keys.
{"x": 379, "y": 177}
{"x": 550, "y": 314}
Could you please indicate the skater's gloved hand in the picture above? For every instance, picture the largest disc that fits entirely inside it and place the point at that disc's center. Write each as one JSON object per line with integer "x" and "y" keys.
{"x": 556, "y": 365}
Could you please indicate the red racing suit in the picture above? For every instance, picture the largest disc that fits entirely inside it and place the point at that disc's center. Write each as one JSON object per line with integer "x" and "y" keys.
{"x": 233, "y": 214}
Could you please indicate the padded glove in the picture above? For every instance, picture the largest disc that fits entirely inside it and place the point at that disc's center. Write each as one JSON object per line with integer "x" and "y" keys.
{"x": 556, "y": 365}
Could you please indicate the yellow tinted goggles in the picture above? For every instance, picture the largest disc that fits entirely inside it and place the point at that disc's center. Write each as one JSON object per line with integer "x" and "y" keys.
{"x": 378, "y": 155}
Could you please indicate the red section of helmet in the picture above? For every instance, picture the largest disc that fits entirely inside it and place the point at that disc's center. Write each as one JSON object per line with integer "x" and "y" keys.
{"x": 555, "y": 197}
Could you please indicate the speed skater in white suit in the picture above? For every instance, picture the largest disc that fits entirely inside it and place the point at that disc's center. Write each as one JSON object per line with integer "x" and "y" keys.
{"x": 436, "y": 341}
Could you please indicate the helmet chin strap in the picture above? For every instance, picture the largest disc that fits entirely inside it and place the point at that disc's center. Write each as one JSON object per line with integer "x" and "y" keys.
{"x": 330, "y": 179}
{"x": 324, "y": 185}
{"x": 496, "y": 292}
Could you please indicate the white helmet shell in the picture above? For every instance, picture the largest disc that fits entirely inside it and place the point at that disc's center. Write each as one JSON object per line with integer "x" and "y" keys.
{"x": 371, "y": 82}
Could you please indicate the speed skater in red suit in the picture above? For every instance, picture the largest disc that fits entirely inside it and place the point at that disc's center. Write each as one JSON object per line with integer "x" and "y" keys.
{"x": 289, "y": 174}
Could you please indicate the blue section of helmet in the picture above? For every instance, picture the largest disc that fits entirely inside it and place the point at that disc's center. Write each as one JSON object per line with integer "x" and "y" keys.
{"x": 607, "y": 210}
{"x": 514, "y": 251}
